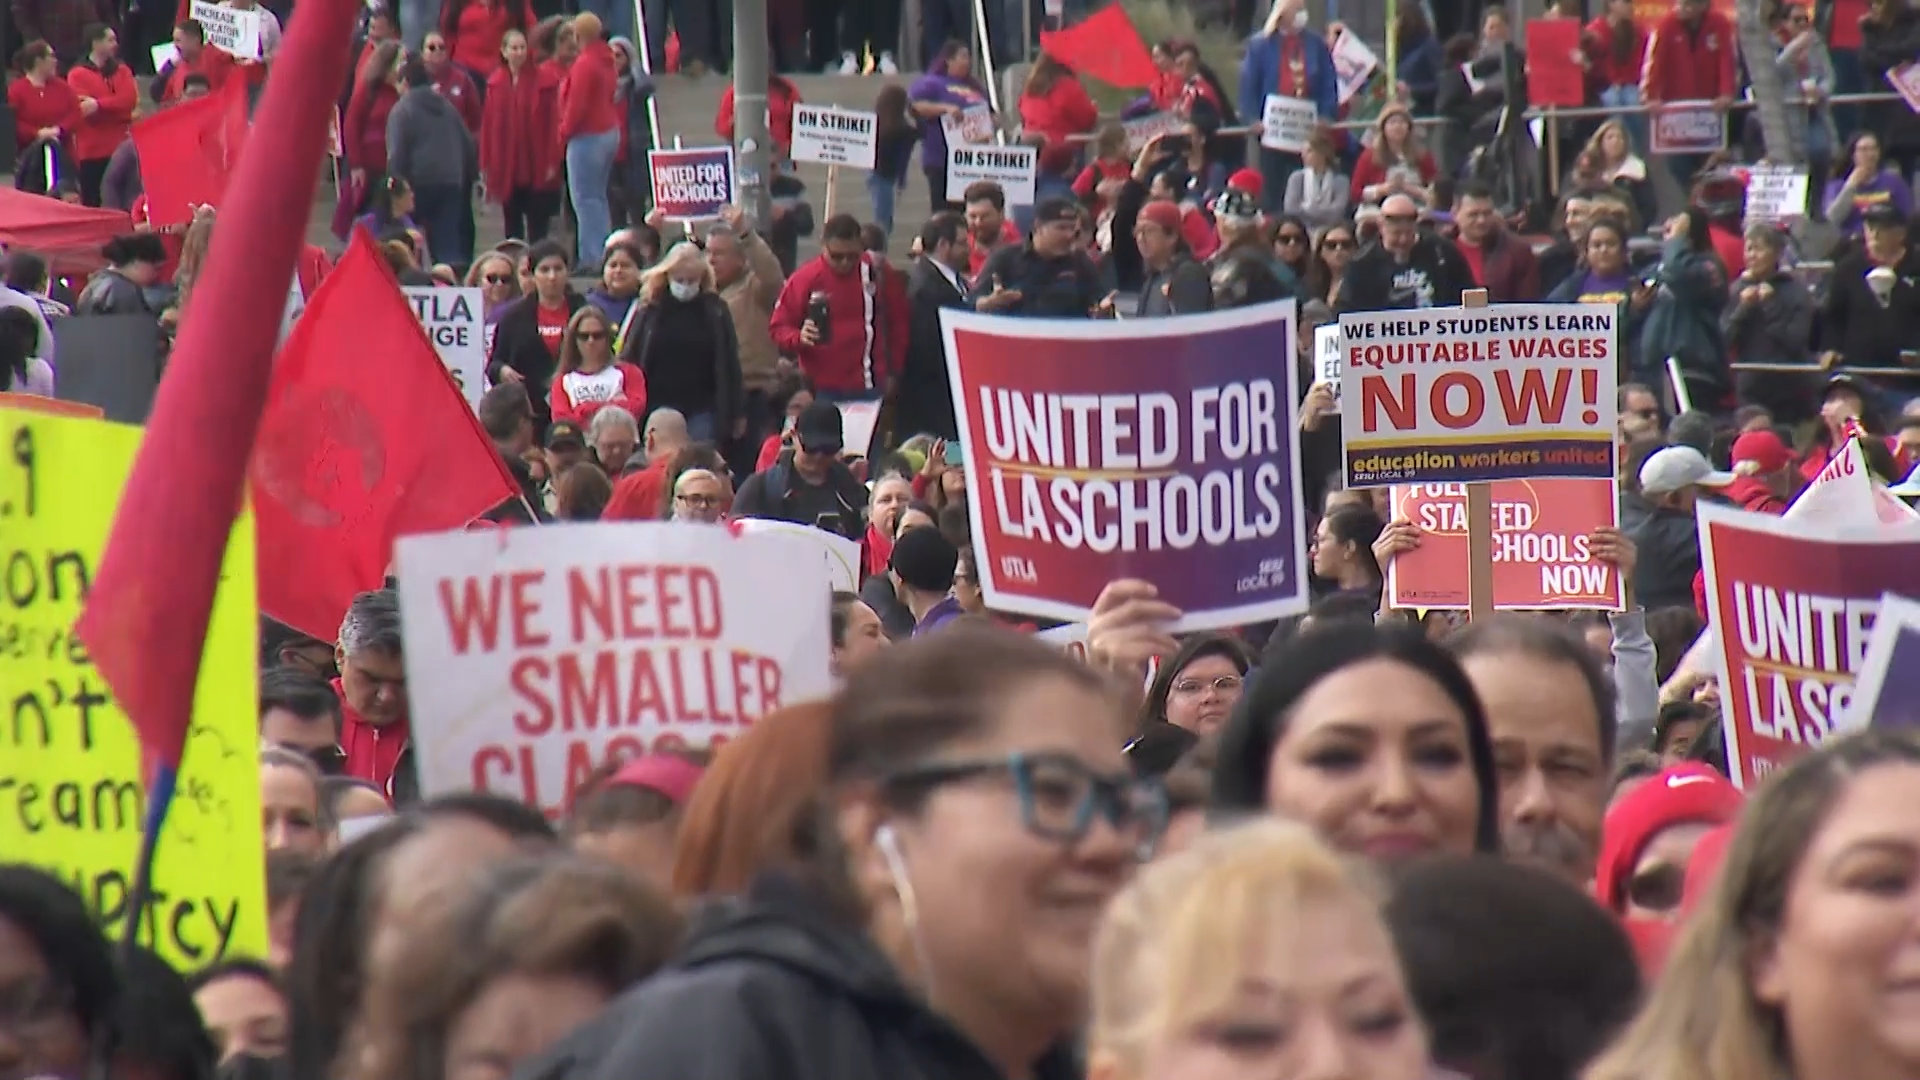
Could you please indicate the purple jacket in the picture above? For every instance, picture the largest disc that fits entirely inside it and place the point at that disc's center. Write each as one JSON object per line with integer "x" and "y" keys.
{"x": 938, "y": 616}
{"x": 944, "y": 90}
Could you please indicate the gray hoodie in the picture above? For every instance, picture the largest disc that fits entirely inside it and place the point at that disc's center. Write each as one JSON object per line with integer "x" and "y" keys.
{"x": 428, "y": 144}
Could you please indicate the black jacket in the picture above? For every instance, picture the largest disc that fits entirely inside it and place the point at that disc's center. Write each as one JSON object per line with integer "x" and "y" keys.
{"x": 1069, "y": 287}
{"x": 1669, "y": 545}
{"x": 729, "y": 385}
{"x": 1183, "y": 288}
{"x": 1435, "y": 270}
{"x": 779, "y": 494}
{"x": 771, "y": 985}
{"x": 112, "y": 293}
{"x": 1247, "y": 274}
{"x": 924, "y": 400}
{"x": 1855, "y": 325}
{"x": 517, "y": 345}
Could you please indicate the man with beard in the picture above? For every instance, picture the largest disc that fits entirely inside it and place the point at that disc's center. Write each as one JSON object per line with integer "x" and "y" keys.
{"x": 1245, "y": 270}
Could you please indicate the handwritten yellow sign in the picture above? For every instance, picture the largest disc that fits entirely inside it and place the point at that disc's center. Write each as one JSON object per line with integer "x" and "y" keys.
{"x": 72, "y": 797}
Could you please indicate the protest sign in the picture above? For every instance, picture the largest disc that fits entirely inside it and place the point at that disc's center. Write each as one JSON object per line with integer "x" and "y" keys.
{"x": 972, "y": 125}
{"x": 1844, "y": 493}
{"x": 534, "y": 655}
{"x": 1286, "y": 123}
{"x": 1794, "y": 602}
{"x": 1887, "y": 692}
{"x": 1327, "y": 357}
{"x": 112, "y": 361}
{"x": 26, "y": 402}
{"x": 826, "y": 135}
{"x": 1162, "y": 449}
{"x": 72, "y": 791}
{"x": 1776, "y": 193}
{"x": 1905, "y": 81}
{"x": 1070, "y": 638}
{"x": 1142, "y": 130}
{"x": 839, "y": 555}
{"x": 1458, "y": 395}
{"x": 1353, "y": 64}
{"x": 1541, "y": 559}
{"x": 453, "y": 320}
{"x": 1556, "y": 73}
{"x": 689, "y": 185}
{"x": 229, "y": 29}
{"x": 1012, "y": 167}
{"x": 1688, "y": 127}
{"x": 857, "y": 421}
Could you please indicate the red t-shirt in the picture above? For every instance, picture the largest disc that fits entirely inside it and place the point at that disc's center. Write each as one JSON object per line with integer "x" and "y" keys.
{"x": 552, "y": 322}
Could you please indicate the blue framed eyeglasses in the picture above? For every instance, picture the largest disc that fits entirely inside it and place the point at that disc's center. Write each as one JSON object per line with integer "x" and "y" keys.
{"x": 1060, "y": 796}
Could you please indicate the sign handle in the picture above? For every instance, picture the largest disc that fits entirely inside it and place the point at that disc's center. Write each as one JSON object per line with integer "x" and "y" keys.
{"x": 1479, "y": 519}
{"x": 833, "y": 190}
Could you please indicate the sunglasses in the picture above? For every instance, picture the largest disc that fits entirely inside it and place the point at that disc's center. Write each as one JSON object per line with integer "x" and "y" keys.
{"x": 1336, "y": 245}
{"x": 1059, "y": 796}
{"x": 590, "y": 335}
{"x": 1290, "y": 239}
{"x": 499, "y": 279}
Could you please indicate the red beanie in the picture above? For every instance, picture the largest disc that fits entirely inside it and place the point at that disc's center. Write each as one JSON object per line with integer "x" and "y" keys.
{"x": 1248, "y": 181}
{"x": 1681, "y": 795}
{"x": 1163, "y": 214}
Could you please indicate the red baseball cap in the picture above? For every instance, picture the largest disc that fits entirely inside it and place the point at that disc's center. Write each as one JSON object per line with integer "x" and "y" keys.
{"x": 1760, "y": 452}
{"x": 1684, "y": 794}
{"x": 1163, "y": 214}
{"x": 1248, "y": 181}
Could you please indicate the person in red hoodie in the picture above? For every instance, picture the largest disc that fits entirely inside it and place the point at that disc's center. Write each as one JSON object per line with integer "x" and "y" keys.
{"x": 451, "y": 80}
{"x": 782, "y": 96}
{"x": 1615, "y": 47}
{"x": 374, "y": 729}
{"x": 1765, "y": 477}
{"x": 590, "y": 131}
{"x": 519, "y": 147}
{"x": 364, "y": 128}
{"x": 1054, "y": 109}
{"x": 477, "y": 31}
{"x": 849, "y": 333}
{"x": 107, "y": 95}
{"x": 191, "y": 57}
{"x": 589, "y": 378}
{"x": 44, "y": 106}
{"x": 1101, "y": 182}
{"x": 1690, "y": 58}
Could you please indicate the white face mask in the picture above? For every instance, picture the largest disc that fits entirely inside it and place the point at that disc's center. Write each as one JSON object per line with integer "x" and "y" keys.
{"x": 1300, "y": 19}
{"x": 683, "y": 290}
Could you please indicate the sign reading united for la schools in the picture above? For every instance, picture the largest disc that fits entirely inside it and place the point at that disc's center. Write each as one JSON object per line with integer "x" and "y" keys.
{"x": 825, "y": 135}
{"x": 231, "y": 30}
{"x": 1012, "y": 167}
{"x": 689, "y": 185}
{"x": 452, "y": 319}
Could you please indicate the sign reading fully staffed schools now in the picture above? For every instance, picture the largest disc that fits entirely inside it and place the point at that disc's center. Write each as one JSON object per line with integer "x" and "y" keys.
{"x": 689, "y": 185}
{"x": 1458, "y": 395}
{"x": 72, "y": 797}
{"x": 825, "y": 135}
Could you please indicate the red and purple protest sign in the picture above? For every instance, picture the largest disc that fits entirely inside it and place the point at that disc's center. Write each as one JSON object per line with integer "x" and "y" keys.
{"x": 692, "y": 184}
{"x": 1887, "y": 694}
{"x": 1161, "y": 449}
{"x": 1794, "y": 603}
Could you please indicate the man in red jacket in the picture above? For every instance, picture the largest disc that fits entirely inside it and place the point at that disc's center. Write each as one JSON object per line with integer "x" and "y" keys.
{"x": 843, "y": 317}
{"x": 590, "y": 130}
{"x": 374, "y": 729}
{"x": 108, "y": 95}
{"x": 1690, "y": 59}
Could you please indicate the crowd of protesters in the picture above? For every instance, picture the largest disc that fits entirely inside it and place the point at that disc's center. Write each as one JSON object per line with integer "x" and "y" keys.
{"x": 1361, "y": 843}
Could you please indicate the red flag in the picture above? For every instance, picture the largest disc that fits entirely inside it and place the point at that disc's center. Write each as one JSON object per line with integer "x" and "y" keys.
{"x": 365, "y": 439}
{"x": 187, "y": 152}
{"x": 145, "y": 622}
{"x": 1104, "y": 46}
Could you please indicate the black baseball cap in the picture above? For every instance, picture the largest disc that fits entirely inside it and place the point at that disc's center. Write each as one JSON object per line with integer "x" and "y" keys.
{"x": 1056, "y": 208}
{"x": 565, "y": 433}
{"x": 1882, "y": 215}
{"x": 819, "y": 430}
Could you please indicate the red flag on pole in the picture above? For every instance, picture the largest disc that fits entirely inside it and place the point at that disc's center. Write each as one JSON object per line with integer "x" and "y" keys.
{"x": 187, "y": 152}
{"x": 365, "y": 439}
{"x": 145, "y": 622}
{"x": 1103, "y": 46}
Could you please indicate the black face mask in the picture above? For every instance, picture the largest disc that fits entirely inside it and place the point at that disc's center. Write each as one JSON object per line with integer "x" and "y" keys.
{"x": 250, "y": 1067}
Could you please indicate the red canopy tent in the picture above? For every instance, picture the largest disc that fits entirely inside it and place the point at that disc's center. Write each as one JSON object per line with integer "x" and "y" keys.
{"x": 68, "y": 236}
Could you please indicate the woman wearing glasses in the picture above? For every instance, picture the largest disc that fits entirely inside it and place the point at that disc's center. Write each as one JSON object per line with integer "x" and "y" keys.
{"x": 976, "y": 818}
{"x": 1198, "y": 686}
{"x": 1332, "y": 254}
{"x": 589, "y": 378}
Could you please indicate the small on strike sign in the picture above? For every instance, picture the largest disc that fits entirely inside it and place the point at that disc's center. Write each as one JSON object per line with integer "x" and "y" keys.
{"x": 534, "y": 654}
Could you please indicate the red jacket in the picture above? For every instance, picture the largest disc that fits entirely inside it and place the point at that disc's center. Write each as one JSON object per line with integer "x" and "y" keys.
{"x": 364, "y": 129}
{"x": 1690, "y": 66}
{"x": 632, "y": 397}
{"x": 1368, "y": 171}
{"x": 473, "y": 29}
{"x": 1164, "y": 92}
{"x": 211, "y": 63}
{"x": 99, "y": 135}
{"x": 458, "y": 88}
{"x": 1751, "y": 493}
{"x": 782, "y": 96}
{"x": 1086, "y": 185}
{"x": 373, "y": 753}
{"x": 867, "y": 324}
{"x": 637, "y": 495}
{"x": 519, "y": 141}
{"x": 1063, "y": 111}
{"x": 586, "y": 97}
{"x": 1597, "y": 42}
{"x": 52, "y": 105}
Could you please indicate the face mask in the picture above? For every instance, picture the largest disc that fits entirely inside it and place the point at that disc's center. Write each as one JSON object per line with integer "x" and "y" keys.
{"x": 682, "y": 290}
{"x": 1300, "y": 19}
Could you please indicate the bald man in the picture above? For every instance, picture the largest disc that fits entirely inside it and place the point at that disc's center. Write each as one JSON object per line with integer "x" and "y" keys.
{"x": 641, "y": 495}
{"x": 590, "y": 130}
{"x": 1406, "y": 268}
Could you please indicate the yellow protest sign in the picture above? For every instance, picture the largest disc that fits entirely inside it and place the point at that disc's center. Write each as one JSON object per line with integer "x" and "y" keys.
{"x": 72, "y": 798}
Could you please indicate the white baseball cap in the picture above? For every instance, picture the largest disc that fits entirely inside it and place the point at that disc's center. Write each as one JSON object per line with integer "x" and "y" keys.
{"x": 1674, "y": 467}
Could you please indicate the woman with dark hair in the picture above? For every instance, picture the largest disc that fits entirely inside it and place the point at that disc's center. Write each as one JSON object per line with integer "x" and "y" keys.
{"x": 244, "y": 1009}
{"x": 57, "y": 975}
{"x": 619, "y": 290}
{"x": 519, "y": 160}
{"x": 895, "y": 133}
{"x": 1197, "y": 687}
{"x": 790, "y": 397}
{"x": 363, "y": 129}
{"x": 529, "y": 335}
{"x": 1342, "y": 550}
{"x": 947, "y": 90}
{"x": 133, "y": 265}
{"x": 45, "y": 108}
{"x": 1333, "y": 252}
{"x": 1054, "y": 110}
{"x": 158, "y": 1032}
{"x": 1684, "y": 321}
{"x": 1418, "y": 66}
{"x": 25, "y": 372}
{"x": 974, "y": 817}
{"x": 588, "y": 378}
{"x": 1373, "y": 735}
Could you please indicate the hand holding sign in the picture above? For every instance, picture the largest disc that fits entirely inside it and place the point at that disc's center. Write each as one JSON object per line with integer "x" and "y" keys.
{"x": 1128, "y": 627}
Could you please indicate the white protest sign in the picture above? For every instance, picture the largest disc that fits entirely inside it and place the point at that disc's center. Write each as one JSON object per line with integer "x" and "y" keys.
{"x": 1327, "y": 355}
{"x": 1775, "y": 193}
{"x": 163, "y": 54}
{"x": 453, "y": 320}
{"x": 1287, "y": 123}
{"x": 1012, "y": 167}
{"x": 973, "y": 124}
{"x": 1353, "y": 64}
{"x": 231, "y": 30}
{"x": 535, "y": 655}
{"x": 857, "y": 421}
{"x": 825, "y": 135}
{"x": 840, "y": 557}
{"x": 1905, "y": 79}
{"x": 1143, "y": 129}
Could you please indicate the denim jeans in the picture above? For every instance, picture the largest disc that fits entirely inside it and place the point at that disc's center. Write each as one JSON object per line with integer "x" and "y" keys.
{"x": 882, "y": 193}
{"x": 1275, "y": 167}
{"x": 441, "y": 210}
{"x": 1624, "y": 98}
{"x": 589, "y": 167}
